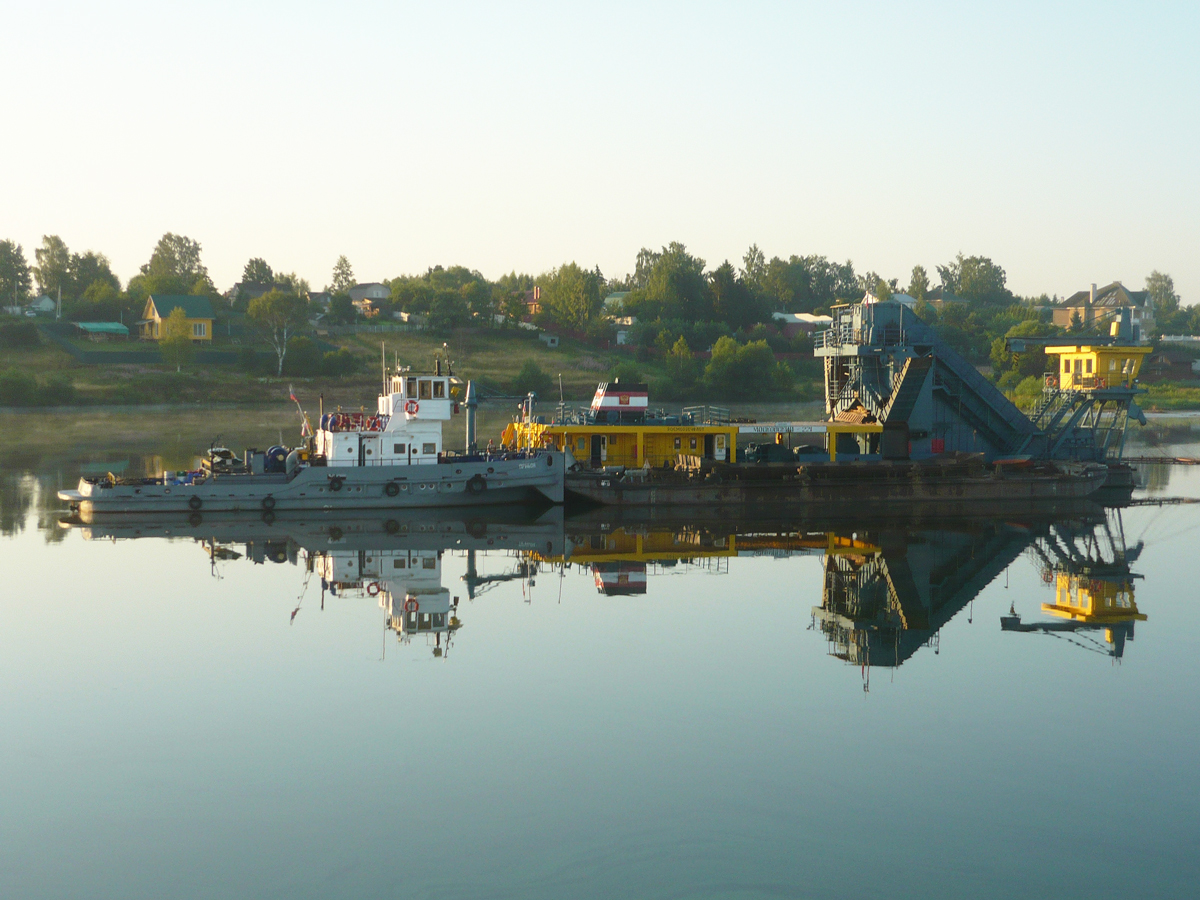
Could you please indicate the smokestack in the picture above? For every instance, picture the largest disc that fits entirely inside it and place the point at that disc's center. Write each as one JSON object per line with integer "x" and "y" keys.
{"x": 1092, "y": 293}
{"x": 471, "y": 402}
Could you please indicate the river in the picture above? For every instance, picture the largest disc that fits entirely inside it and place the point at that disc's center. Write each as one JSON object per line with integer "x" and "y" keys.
{"x": 540, "y": 705}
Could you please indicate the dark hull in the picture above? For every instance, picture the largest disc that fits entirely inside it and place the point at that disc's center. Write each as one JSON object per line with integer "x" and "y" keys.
{"x": 849, "y": 488}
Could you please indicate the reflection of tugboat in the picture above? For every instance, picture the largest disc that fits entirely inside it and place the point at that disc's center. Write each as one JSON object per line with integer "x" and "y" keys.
{"x": 407, "y": 583}
{"x": 1090, "y": 570}
{"x": 395, "y": 561}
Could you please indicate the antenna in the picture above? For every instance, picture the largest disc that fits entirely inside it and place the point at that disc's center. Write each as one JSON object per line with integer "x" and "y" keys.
{"x": 560, "y": 392}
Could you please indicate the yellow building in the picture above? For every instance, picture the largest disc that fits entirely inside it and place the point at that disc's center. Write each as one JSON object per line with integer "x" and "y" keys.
{"x": 198, "y": 310}
{"x": 619, "y": 430}
{"x": 627, "y": 445}
{"x": 1085, "y": 367}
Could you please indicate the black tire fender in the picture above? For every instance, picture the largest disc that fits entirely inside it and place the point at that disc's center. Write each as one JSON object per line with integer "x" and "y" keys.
{"x": 335, "y": 483}
{"x": 476, "y": 484}
{"x": 194, "y": 502}
{"x": 391, "y": 489}
{"x": 268, "y": 502}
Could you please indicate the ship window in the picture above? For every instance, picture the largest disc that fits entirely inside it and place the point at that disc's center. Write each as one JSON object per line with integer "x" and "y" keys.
{"x": 693, "y": 443}
{"x": 410, "y": 389}
{"x": 678, "y": 443}
{"x": 1066, "y": 367}
{"x": 429, "y": 562}
{"x": 1112, "y": 365}
{"x": 398, "y": 449}
{"x": 439, "y": 389}
{"x": 579, "y": 444}
{"x": 429, "y": 448}
{"x": 425, "y": 389}
{"x": 398, "y": 564}
{"x": 1089, "y": 367}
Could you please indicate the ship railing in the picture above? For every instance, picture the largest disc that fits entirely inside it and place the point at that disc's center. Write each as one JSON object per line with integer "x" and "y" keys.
{"x": 707, "y": 415}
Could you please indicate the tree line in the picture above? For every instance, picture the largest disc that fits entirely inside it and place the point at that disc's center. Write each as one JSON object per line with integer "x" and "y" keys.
{"x": 676, "y": 302}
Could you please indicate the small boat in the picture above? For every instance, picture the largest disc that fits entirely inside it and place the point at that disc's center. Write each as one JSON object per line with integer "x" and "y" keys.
{"x": 392, "y": 458}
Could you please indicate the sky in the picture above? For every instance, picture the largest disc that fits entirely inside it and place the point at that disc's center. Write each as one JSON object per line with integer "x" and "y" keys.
{"x": 1060, "y": 140}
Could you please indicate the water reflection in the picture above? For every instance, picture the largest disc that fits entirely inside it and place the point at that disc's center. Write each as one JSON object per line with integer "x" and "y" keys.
{"x": 888, "y": 586}
{"x": 1089, "y": 566}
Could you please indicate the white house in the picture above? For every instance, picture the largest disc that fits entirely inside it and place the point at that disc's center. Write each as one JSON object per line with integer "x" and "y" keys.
{"x": 43, "y": 305}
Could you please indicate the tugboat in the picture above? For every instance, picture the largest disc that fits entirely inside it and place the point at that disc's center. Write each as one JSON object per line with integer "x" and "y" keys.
{"x": 392, "y": 458}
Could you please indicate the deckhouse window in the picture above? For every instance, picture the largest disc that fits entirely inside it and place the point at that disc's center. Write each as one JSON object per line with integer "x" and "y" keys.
{"x": 439, "y": 389}
{"x": 1066, "y": 367}
{"x": 411, "y": 388}
{"x": 398, "y": 449}
{"x": 425, "y": 389}
{"x": 429, "y": 448}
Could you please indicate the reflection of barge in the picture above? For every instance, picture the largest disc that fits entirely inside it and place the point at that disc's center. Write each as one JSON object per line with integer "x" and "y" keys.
{"x": 390, "y": 459}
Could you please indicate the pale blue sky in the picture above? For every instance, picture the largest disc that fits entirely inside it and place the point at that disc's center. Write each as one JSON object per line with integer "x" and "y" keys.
{"x": 1059, "y": 139}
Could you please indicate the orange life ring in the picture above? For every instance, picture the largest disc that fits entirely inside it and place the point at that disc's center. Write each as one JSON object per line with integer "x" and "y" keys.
{"x": 411, "y": 605}
{"x": 373, "y": 588}
{"x": 411, "y": 407}
{"x": 1052, "y": 381}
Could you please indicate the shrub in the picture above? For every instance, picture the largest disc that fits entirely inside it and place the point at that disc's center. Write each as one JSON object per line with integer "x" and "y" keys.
{"x": 626, "y": 371}
{"x": 303, "y": 358}
{"x": 15, "y": 335}
{"x": 531, "y": 378}
{"x": 339, "y": 362}
{"x": 18, "y": 388}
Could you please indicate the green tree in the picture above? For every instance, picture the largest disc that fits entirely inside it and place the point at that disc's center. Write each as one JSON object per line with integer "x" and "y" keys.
{"x": 670, "y": 285}
{"x": 256, "y": 271}
{"x": 53, "y": 266}
{"x": 175, "y": 341}
{"x": 174, "y": 268}
{"x": 741, "y": 371}
{"x": 571, "y": 296}
{"x": 87, "y": 269}
{"x": 732, "y": 300}
{"x": 1161, "y": 288}
{"x": 15, "y": 279}
{"x": 754, "y": 267}
{"x": 343, "y": 277}
{"x": 293, "y": 283}
{"x": 277, "y": 317}
{"x": 975, "y": 278}
{"x": 918, "y": 283}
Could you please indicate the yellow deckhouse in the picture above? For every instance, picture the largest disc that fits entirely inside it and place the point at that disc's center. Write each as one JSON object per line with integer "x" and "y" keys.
{"x": 618, "y": 429}
{"x": 1088, "y": 367}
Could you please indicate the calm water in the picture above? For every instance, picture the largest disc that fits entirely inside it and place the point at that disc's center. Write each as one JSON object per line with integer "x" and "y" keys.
{"x": 581, "y": 708}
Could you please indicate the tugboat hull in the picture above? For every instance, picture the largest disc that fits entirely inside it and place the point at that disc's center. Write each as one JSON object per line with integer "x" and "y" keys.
{"x": 537, "y": 477}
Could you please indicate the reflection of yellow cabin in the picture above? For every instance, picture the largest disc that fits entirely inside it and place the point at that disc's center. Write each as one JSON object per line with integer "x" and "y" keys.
{"x": 1083, "y": 367}
{"x": 1095, "y": 601}
{"x": 198, "y": 310}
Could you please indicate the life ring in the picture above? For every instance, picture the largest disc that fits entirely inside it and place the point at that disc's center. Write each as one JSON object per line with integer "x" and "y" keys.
{"x": 391, "y": 489}
{"x": 411, "y": 605}
{"x": 1052, "y": 381}
{"x": 268, "y": 502}
{"x": 476, "y": 484}
{"x": 195, "y": 502}
{"x": 335, "y": 483}
{"x": 373, "y": 588}
{"x": 411, "y": 407}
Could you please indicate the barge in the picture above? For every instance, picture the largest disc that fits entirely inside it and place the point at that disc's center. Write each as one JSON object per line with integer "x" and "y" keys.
{"x": 953, "y": 480}
{"x": 392, "y": 458}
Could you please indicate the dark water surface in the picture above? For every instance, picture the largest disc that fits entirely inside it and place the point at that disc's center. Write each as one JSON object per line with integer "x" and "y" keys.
{"x": 231, "y": 708}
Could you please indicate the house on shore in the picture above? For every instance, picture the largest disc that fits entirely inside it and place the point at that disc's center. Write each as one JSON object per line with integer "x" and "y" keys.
{"x": 1099, "y": 309}
{"x": 198, "y": 310}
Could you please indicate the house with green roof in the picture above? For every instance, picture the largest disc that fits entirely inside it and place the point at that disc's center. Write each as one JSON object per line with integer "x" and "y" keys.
{"x": 198, "y": 310}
